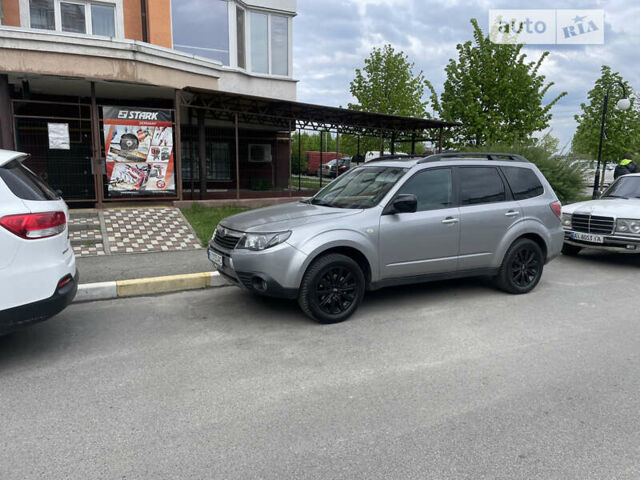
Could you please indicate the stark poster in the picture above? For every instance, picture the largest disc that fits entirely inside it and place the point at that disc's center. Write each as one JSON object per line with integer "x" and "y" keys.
{"x": 139, "y": 151}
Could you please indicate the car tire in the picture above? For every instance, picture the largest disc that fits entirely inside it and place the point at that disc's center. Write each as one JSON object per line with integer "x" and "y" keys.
{"x": 570, "y": 250}
{"x": 521, "y": 267}
{"x": 332, "y": 289}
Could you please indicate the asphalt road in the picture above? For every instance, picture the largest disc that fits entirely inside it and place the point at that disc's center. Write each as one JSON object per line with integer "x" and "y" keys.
{"x": 439, "y": 381}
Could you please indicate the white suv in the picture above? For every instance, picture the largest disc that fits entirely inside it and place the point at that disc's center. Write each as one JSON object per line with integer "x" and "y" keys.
{"x": 38, "y": 276}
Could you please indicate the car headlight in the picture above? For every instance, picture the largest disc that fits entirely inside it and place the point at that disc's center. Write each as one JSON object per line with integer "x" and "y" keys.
{"x": 566, "y": 219}
{"x": 627, "y": 225}
{"x": 262, "y": 241}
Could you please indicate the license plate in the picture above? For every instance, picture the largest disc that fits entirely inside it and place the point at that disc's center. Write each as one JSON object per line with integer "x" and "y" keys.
{"x": 215, "y": 258}
{"x": 587, "y": 237}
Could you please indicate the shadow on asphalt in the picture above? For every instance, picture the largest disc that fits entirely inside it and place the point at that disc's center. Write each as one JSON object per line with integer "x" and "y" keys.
{"x": 598, "y": 258}
{"x": 33, "y": 342}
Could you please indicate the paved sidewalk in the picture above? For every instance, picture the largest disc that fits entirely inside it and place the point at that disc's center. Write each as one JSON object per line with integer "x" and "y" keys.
{"x": 130, "y": 230}
{"x": 108, "y": 268}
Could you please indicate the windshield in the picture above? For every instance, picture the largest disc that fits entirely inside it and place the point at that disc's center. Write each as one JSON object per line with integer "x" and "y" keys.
{"x": 625, "y": 187}
{"x": 363, "y": 187}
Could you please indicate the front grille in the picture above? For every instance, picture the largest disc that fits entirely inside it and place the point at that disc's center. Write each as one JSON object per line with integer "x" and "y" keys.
{"x": 592, "y": 224}
{"x": 227, "y": 242}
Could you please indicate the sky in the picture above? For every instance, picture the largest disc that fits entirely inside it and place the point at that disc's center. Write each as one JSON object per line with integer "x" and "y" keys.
{"x": 333, "y": 37}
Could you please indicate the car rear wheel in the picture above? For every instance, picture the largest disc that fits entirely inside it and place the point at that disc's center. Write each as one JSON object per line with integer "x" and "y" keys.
{"x": 332, "y": 289}
{"x": 521, "y": 268}
{"x": 570, "y": 250}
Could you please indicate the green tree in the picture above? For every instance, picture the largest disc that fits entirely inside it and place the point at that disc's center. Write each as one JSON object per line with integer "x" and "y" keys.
{"x": 495, "y": 92}
{"x": 387, "y": 84}
{"x": 622, "y": 128}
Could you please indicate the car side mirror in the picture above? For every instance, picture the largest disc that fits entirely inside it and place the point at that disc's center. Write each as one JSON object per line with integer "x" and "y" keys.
{"x": 404, "y": 203}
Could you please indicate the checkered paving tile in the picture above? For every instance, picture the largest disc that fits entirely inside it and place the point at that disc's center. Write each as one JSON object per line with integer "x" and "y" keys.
{"x": 84, "y": 221}
{"x": 148, "y": 230}
{"x": 86, "y": 235}
{"x": 89, "y": 250}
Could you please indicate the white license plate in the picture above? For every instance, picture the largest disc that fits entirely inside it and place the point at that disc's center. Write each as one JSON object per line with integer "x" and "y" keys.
{"x": 215, "y": 258}
{"x": 587, "y": 237}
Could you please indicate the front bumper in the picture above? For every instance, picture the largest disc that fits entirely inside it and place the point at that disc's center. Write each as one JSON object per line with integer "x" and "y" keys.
{"x": 612, "y": 243}
{"x": 18, "y": 317}
{"x": 270, "y": 272}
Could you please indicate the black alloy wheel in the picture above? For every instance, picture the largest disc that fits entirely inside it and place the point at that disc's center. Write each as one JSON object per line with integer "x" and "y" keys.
{"x": 336, "y": 290}
{"x": 521, "y": 268}
{"x": 332, "y": 289}
{"x": 525, "y": 267}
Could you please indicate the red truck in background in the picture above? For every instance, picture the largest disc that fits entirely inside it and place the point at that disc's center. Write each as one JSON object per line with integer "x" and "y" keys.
{"x": 313, "y": 160}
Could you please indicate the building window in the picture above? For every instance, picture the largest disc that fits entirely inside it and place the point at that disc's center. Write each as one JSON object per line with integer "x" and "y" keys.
{"x": 279, "y": 45}
{"x": 259, "y": 42}
{"x": 42, "y": 14}
{"x": 201, "y": 31}
{"x": 73, "y": 17}
{"x": 240, "y": 32}
{"x": 103, "y": 20}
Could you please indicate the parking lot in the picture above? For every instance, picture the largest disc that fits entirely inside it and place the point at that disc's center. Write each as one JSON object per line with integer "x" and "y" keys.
{"x": 444, "y": 380}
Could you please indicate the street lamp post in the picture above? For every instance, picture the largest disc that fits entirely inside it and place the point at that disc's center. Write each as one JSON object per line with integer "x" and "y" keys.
{"x": 623, "y": 104}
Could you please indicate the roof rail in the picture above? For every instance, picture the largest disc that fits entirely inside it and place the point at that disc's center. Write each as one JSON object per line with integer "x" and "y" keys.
{"x": 397, "y": 157}
{"x": 471, "y": 155}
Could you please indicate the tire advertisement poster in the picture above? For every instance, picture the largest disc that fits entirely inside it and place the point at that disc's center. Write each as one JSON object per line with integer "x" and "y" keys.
{"x": 139, "y": 151}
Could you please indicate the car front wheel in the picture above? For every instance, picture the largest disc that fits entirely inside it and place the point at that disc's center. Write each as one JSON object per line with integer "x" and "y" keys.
{"x": 521, "y": 268}
{"x": 332, "y": 289}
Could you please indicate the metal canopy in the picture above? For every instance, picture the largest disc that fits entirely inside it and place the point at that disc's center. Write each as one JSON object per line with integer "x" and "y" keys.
{"x": 289, "y": 115}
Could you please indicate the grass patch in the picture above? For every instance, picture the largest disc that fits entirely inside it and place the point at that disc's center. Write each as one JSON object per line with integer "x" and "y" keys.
{"x": 205, "y": 219}
{"x": 309, "y": 183}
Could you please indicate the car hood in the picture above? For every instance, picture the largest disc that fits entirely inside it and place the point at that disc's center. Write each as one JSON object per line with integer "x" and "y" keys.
{"x": 613, "y": 207}
{"x": 279, "y": 218}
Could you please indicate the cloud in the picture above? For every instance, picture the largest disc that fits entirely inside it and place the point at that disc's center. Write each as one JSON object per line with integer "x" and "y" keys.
{"x": 333, "y": 37}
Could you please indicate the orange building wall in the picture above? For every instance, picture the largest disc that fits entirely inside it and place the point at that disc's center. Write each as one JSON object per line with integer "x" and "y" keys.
{"x": 159, "y": 20}
{"x": 132, "y": 20}
{"x": 11, "y": 13}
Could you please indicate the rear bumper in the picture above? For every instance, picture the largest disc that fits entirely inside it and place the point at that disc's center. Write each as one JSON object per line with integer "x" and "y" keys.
{"x": 612, "y": 243}
{"x": 18, "y": 317}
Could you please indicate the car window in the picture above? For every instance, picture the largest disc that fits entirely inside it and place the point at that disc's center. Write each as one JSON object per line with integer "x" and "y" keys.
{"x": 25, "y": 184}
{"x": 432, "y": 188}
{"x": 363, "y": 187}
{"x": 524, "y": 182}
{"x": 624, "y": 187}
{"x": 480, "y": 185}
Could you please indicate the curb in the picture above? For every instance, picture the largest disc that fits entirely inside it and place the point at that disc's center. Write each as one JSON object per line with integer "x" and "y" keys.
{"x": 148, "y": 286}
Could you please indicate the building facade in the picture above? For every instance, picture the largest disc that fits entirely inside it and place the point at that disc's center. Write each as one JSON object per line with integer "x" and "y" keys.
{"x": 94, "y": 91}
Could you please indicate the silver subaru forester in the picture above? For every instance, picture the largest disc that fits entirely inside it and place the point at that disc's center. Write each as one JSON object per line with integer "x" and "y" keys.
{"x": 392, "y": 221}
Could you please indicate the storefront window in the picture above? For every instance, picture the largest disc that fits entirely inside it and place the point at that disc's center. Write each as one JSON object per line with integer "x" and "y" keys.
{"x": 103, "y": 20}
{"x": 279, "y": 45}
{"x": 42, "y": 14}
{"x": 201, "y": 31}
{"x": 72, "y": 17}
{"x": 259, "y": 43}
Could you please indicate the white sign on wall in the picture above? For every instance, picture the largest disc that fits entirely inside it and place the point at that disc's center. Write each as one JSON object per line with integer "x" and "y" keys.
{"x": 59, "y": 136}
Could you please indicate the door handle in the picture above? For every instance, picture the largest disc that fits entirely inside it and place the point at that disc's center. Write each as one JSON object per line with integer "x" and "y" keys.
{"x": 512, "y": 213}
{"x": 450, "y": 221}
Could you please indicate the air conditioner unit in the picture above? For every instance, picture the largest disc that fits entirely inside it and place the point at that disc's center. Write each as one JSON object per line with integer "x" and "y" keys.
{"x": 260, "y": 153}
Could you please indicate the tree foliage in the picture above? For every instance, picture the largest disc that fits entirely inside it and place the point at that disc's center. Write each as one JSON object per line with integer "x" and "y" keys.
{"x": 387, "y": 84}
{"x": 622, "y": 128}
{"x": 495, "y": 92}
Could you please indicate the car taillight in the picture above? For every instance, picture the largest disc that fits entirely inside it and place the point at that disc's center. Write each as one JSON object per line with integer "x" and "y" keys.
{"x": 35, "y": 226}
{"x": 557, "y": 209}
